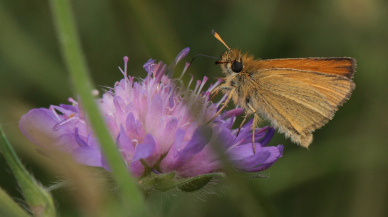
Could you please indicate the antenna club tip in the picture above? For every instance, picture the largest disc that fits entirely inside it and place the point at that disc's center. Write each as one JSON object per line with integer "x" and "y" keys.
{"x": 218, "y": 37}
{"x": 214, "y": 32}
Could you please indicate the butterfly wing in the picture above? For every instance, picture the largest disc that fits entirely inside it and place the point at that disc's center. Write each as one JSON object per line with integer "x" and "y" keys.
{"x": 298, "y": 102}
{"x": 344, "y": 66}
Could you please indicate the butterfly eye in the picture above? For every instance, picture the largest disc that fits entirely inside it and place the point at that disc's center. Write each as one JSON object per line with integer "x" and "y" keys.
{"x": 237, "y": 66}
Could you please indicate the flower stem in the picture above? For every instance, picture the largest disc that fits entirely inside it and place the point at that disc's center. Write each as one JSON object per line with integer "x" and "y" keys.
{"x": 131, "y": 196}
{"x": 8, "y": 207}
{"x": 38, "y": 199}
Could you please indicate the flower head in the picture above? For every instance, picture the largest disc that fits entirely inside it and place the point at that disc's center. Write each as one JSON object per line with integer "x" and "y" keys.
{"x": 159, "y": 126}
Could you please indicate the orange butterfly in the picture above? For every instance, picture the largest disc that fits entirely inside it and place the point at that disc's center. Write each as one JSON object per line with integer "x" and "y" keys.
{"x": 297, "y": 95}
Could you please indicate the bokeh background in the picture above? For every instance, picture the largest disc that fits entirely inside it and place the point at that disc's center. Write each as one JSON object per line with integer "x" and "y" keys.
{"x": 344, "y": 173}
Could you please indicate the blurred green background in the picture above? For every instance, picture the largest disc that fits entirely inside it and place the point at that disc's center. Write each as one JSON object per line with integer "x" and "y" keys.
{"x": 344, "y": 173}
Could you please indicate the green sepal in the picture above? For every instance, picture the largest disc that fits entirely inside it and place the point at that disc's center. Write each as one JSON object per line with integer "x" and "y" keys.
{"x": 196, "y": 183}
{"x": 170, "y": 181}
{"x": 159, "y": 182}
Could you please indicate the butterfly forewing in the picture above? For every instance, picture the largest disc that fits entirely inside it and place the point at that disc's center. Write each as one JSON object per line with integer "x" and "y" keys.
{"x": 344, "y": 66}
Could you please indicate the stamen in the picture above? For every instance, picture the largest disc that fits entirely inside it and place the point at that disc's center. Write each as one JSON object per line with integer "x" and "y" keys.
{"x": 70, "y": 99}
{"x": 222, "y": 100}
{"x": 170, "y": 103}
{"x": 126, "y": 59}
{"x": 191, "y": 80}
{"x": 54, "y": 112}
{"x": 62, "y": 110}
{"x": 213, "y": 86}
{"x": 184, "y": 70}
{"x": 207, "y": 95}
{"x": 197, "y": 86}
{"x": 125, "y": 72}
{"x": 95, "y": 92}
{"x": 58, "y": 125}
{"x": 203, "y": 83}
{"x": 135, "y": 142}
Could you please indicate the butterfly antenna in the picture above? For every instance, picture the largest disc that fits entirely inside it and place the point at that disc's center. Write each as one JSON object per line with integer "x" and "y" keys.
{"x": 203, "y": 55}
{"x": 218, "y": 37}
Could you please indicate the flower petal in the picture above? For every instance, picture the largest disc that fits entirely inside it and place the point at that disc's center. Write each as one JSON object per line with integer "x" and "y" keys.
{"x": 274, "y": 157}
{"x": 265, "y": 135}
{"x": 169, "y": 162}
{"x": 37, "y": 125}
{"x": 124, "y": 142}
{"x": 146, "y": 149}
{"x": 198, "y": 141}
{"x": 88, "y": 155}
{"x": 249, "y": 161}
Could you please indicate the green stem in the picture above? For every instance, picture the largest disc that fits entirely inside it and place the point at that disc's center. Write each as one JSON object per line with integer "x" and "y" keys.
{"x": 8, "y": 207}
{"x": 131, "y": 196}
{"x": 38, "y": 199}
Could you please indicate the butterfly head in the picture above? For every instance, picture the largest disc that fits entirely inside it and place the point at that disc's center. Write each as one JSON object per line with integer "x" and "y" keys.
{"x": 231, "y": 62}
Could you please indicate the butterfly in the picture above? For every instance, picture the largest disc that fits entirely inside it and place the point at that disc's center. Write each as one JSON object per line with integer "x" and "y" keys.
{"x": 296, "y": 95}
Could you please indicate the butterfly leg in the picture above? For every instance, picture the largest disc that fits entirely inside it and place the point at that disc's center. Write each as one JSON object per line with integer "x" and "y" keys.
{"x": 256, "y": 120}
{"x": 242, "y": 123}
{"x": 215, "y": 91}
{"x": 220, "y": 87}
{"x": 225, "y": 103}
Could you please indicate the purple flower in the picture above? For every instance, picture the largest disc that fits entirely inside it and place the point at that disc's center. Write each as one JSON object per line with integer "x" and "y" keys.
{"x": 160, "y": 127}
